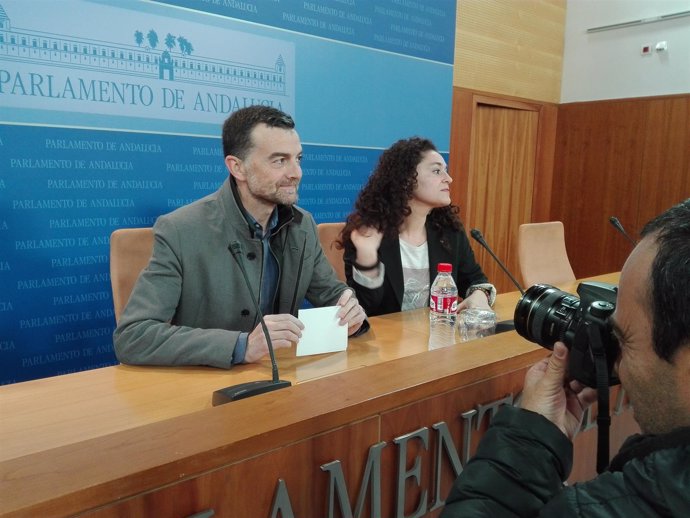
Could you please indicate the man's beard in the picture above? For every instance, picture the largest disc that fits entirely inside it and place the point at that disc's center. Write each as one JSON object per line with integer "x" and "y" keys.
{"x": 282, "y": 198}
{"x": 277, "y": 196}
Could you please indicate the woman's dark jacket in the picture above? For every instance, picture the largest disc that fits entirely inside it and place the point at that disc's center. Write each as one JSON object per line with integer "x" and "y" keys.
{"x": 388, "y": 298}
{"x": 523, "y": 458}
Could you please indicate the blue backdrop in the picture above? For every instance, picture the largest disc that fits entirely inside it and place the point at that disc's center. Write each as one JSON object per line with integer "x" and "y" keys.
{"x": 112, "y": 118}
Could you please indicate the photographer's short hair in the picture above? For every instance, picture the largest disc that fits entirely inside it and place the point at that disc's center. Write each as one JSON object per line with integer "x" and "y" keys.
{"x": 670, "y": 276}
{"x": 238, "y": 127}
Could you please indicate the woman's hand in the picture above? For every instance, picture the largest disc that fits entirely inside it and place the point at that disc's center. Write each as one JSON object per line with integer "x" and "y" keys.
{"x": 477, "y": 299}
{"x": 367, "y": 241}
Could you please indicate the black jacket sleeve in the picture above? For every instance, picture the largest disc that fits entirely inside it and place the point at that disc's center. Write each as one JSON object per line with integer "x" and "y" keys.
{"x": 519, "y": 466}
{"x": 523, "y": 458}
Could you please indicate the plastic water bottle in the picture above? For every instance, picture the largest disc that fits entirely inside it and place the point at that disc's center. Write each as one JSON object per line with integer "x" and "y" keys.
{"x": 443, "y": 308}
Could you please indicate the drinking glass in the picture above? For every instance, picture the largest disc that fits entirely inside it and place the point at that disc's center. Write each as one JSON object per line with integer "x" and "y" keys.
{"x": 476, "y": 323}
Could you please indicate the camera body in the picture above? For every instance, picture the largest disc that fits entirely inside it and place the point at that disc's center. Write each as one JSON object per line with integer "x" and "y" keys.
{"x": 546, "y": 315}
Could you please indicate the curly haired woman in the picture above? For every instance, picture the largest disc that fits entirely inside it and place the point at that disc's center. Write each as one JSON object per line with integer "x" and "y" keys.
{"x": 403, "y": 225}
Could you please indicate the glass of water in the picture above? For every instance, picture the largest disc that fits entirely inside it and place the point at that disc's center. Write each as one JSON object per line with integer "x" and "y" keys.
{"x": 476, "y": 323}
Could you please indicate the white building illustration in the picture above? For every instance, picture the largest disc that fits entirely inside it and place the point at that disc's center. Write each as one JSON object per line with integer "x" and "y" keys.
{"x": 170, "y": 59}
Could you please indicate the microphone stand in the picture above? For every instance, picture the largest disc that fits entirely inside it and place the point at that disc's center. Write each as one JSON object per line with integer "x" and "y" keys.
{"x": 505, "y": 325}
{"x": 479, "y": 238}
{"x": 251, "y": 388}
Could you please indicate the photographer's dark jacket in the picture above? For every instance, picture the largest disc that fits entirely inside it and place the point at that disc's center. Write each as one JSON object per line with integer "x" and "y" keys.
{"x": 523, "y": 458}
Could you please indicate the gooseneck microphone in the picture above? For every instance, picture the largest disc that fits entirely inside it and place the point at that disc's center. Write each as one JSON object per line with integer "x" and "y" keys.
{"x": 477, "y": 236}
{"x": 251, "y": 388}
{"x": 505, "y": 325}
{"x": 619, "y": 227}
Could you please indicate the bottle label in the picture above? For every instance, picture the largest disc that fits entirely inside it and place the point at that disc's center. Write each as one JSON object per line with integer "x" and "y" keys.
{"x": 442, "y": 304}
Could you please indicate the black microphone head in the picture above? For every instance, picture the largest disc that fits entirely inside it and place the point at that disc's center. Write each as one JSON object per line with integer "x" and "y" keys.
{"x": 619, "y": 227}
{"x": 476, "y": 234}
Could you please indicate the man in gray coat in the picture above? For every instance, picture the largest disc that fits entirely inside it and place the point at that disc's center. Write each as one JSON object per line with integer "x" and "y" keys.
{"x": 526, "y": 454}
{"x": 191, "y": 305}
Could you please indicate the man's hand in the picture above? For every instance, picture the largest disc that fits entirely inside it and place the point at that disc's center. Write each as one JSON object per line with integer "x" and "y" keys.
{"x": 350, "y": 313}
{"x": 547, "y": 392}
{"x": 283, "y": 329}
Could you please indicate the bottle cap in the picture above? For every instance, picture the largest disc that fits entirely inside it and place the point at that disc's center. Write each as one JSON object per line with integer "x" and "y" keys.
{"x": 445, "y": 267}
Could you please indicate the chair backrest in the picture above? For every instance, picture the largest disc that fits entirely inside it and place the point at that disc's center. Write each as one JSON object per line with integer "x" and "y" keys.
{"x": 542, "y": 254}
{"x": 130, "y": 251}
{"x": 328, "y": 233}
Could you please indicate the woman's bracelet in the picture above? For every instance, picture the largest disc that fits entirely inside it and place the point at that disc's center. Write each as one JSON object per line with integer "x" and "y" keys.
{"x": 486, "y": 292}
{"x": 366, "y": 268}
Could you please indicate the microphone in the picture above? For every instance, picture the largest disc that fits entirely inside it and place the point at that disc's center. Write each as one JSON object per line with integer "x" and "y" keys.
{"x": 617, "y": 225}
{"x": 250, "y": 388}
{"x": 477, "y": 235}
{"x": 505, "y": 325}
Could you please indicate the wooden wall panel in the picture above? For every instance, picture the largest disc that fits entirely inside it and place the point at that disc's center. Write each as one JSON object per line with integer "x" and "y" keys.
{"x": 596, "y": 175}
{"x": 501, "y": 161}
{"x": 666, "y": 157}
{"x": 625, "y": 158}
{"x": 510, "y": 48}
{"x": 500, "y": 183}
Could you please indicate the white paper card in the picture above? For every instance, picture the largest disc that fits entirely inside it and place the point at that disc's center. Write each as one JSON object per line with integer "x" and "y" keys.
{"x": 321, "y": 333}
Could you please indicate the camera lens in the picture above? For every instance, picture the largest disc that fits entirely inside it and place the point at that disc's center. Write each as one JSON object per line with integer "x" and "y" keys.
{"x": 544, "y": 315}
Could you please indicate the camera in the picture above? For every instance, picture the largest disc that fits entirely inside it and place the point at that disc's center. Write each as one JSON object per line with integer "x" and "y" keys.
{"x": 546, "y": 315}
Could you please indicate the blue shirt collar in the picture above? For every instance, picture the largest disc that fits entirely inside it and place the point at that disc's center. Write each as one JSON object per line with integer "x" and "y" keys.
{"x": 258, "y": 230}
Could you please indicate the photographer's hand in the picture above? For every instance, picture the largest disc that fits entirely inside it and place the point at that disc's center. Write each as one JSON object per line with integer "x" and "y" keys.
{"x": 547, "y": 392}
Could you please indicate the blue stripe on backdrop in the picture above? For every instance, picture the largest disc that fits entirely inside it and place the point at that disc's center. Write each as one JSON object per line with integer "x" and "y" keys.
{"x": 421, "y": 28}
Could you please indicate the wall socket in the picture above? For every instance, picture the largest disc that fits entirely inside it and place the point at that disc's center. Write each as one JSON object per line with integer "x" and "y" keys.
{"x": 647, "y": 48}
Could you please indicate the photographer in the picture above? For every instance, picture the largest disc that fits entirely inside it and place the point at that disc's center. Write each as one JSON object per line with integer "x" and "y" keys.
{"x": 526, "y": 454}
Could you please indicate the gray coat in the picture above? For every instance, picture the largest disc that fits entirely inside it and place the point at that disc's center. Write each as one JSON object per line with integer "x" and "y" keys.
{"x": 190, "y": 303}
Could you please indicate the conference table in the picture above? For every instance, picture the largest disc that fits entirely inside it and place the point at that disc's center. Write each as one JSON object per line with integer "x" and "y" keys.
{"x": 380, "y": 429}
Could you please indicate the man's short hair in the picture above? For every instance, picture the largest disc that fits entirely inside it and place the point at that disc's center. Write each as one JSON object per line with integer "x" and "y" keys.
{"x": 238, "y": 127}
{"x": 670, "y": 292}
